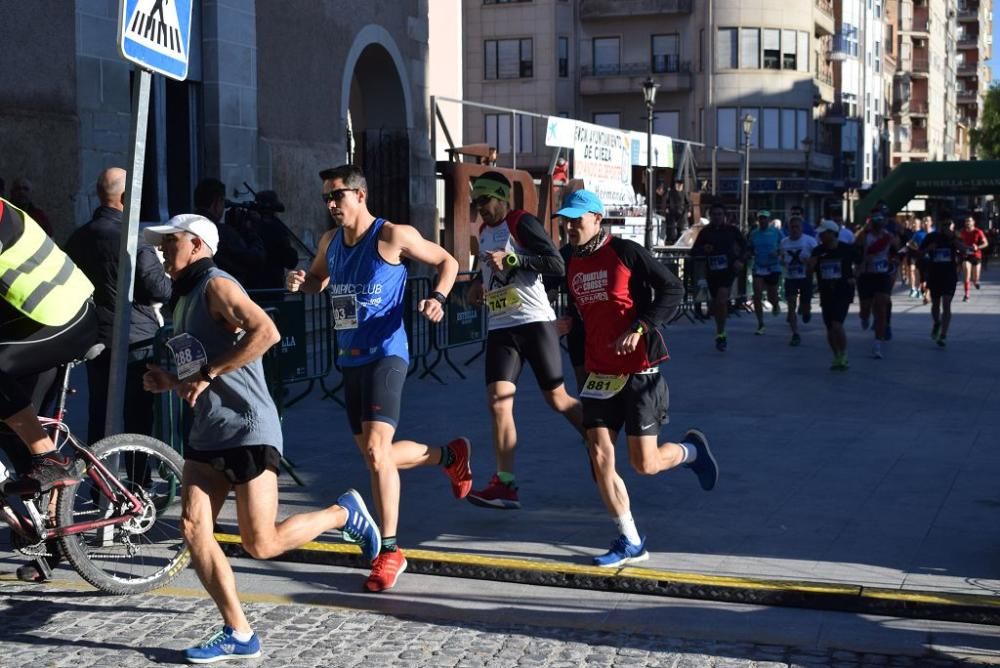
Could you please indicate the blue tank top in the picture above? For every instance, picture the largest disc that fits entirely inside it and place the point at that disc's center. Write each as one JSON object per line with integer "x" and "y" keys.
{"x": 366, "y": 294}
{"x": 236, "y": 409}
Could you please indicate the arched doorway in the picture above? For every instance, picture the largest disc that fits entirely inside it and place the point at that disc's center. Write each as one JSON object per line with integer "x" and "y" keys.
{"x": 377, "y": 121}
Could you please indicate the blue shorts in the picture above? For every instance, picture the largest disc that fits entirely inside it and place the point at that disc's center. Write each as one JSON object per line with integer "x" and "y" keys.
{"x": 373, "y": 392}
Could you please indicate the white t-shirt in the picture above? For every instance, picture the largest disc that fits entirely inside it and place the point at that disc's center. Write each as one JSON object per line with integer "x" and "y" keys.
{"x": 845, "y": 236}
{"x": 795, "y": 253}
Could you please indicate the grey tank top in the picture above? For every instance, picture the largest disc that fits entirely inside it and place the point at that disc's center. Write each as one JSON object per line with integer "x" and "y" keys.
{"x": 236, "y": 408}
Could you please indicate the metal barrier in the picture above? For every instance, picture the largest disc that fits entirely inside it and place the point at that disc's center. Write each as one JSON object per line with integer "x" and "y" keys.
{"x": 464, "y": 324}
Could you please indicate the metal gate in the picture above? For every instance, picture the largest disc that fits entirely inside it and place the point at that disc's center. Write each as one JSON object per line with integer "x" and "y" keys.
{"x": 386, "y": 164}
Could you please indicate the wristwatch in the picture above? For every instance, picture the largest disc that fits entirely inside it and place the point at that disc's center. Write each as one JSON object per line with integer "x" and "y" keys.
{"x": 205, "y": 375}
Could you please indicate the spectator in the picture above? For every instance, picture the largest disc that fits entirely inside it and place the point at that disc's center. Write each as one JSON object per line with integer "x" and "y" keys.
{"x": 20, "y": 196}
{"x": 277, "y": 244}
{"x": 94, "y": 248}
{"x": 678, "y": 211}
{"x": 241, "y": 251}
{"x": 560, "y": 173}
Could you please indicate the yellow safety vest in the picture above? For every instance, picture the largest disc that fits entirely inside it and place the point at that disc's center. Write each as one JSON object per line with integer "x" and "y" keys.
{"x": 38, "y": 278}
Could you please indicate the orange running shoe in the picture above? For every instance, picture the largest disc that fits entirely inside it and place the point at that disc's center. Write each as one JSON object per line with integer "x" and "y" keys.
{"x": 459, "y": 471}
{"x": 386, "y": 569}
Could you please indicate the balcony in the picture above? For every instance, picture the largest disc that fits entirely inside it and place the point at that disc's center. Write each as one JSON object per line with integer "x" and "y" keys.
{"x": 920, "y": 22}
{"x": 968, "y": 69}
{"x": 968, "y": 42}
{"x": 835, "y": 115}
{"x": 824, "y": 82}
{"x": 920, "y": 66}
{"x": 823, "y": 17}
{"x": 628, "y": 77}
{"x": 602, "y": 9}
{"x": 842, "y": 49}
{"x": 916, "y": 145}
{"x": 968, "y": 12}
{"x": 968, "y": 96}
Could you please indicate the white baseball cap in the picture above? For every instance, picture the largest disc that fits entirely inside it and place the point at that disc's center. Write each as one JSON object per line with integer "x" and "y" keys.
{"x": 827, "y": 226}
{"x": 200, "y": 226}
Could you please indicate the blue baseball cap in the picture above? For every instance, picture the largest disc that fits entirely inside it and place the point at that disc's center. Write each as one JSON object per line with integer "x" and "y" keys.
{"x": 580, "y": 202}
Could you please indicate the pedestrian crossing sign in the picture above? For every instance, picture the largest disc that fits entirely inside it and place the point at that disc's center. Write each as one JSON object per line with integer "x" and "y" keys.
{"x": 156, "y": 35}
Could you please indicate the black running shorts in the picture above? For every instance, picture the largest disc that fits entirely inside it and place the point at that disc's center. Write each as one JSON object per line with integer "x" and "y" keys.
{"x": 641, "y": 407}
{"x": 720, "y": 280}
{"x": 941, "y": 288}
{"x": 798, "y": 287}
{"x": 971, "y": 259}
{"x": 871, "y": 284}
{"x": 373, "y": 392}
{"x": 241, "y": 464}
{"x": 537, "y": 343}
{"x": 835, "y": 303}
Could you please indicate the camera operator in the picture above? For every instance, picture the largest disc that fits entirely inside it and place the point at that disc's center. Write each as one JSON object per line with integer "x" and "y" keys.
{"x": 241, "y": 251}
{"x": 278, "y": 245}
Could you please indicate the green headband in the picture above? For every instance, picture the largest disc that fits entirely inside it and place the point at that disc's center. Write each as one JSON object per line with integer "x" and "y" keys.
{"x": 490, "y": 188}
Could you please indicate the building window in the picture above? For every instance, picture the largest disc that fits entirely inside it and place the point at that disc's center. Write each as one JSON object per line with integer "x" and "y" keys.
{"x": 772, "y": 49}
{"x": 789, "y": 43}
{"x": 802, "y": 123}
{"x": 803, "y": 59}
{"x": 849, "y": 39}
{"x": 725, "y": 127}
{"x": 508, "y": 59}
{"x": 608, "y": 119}
{"x": 563, "y": 56}
{"x": 667, "y": 123}
{"x": 750, "y": 48}
{"x": 769, "y": 126}
{"x": 498, "y": 133}
{"x": 788, "y": 141}
{"x": 666, "y": 53}
{"x": 725, "y": 49}
{"x": 607, "y": 55}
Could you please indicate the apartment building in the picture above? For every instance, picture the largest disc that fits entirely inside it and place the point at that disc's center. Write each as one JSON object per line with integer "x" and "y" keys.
{"x": 925, "y": 119}
{"x": 714, "y": 62}
{"x": 975, "y": 48}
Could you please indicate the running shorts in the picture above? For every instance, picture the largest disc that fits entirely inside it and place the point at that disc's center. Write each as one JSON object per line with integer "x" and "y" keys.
{"x": 373, "y": 392}
{"x": 537, "y": 343}
{"x": 834, "y": 304}
{"x": 798, "y": 287}
{"x": 942, "y": 288}
{"x": 720, "y": 279}
{"x": 769, "y": 279}
{"x": 241, "y": 464}
{"x": 641, "y": 407}
{"x": 871, "y": 284}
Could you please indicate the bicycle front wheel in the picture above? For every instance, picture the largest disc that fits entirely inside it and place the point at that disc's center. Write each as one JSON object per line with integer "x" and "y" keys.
{"x": 147, "y": 550}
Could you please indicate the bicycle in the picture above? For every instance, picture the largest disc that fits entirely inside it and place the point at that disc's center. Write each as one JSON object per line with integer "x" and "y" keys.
{"x": 119, "y": 526}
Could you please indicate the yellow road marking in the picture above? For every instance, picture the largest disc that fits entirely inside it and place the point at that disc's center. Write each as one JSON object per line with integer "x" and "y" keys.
{"x": 670, "y": 577}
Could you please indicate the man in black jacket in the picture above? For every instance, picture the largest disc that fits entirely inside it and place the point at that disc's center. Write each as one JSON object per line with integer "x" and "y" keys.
{"x": 94, "y": 248}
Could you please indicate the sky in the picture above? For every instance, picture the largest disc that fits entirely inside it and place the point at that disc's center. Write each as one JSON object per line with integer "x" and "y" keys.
{"x": 993, "y": 61}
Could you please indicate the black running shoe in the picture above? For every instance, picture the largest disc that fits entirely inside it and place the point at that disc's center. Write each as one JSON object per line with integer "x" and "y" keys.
{"x": 704, "y": 465}
{"x": 47, "y": 472}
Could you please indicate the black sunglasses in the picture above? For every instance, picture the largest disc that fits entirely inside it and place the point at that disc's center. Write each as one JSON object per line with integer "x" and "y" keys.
{"x": 336, "y": 195}
{"x": 481, "y": 200}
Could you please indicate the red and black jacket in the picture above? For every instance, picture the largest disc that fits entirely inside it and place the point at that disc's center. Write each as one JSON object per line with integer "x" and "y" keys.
{"x": 615, "y": 289}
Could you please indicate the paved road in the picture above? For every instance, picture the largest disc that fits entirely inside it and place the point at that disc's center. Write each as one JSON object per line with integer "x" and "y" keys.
{"x": 885, "y": 475}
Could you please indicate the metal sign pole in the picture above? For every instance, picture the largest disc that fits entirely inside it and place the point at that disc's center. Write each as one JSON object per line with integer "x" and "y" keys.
{"x": 127, "y": 251}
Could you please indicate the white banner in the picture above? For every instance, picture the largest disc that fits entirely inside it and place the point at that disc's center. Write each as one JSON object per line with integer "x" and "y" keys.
{"x": 663, "y": 150}
{"x": 602, "y": 158}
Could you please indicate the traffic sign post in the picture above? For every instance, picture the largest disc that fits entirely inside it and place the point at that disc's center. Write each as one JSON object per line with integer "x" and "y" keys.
{"x": 155, "y": 35}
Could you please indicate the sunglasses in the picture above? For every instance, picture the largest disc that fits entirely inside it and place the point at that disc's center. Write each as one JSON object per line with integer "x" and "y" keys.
{"x": 482, "y": 200}
{"x": 336, "y": 195}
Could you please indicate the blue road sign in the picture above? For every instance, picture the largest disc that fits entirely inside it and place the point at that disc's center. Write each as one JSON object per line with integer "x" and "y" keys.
{"x": 156, "y": 35}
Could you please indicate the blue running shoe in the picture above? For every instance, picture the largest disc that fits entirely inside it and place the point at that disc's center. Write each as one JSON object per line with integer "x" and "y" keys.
{"x": 623, "y": 553}
{"x": 704, "y": 465}
{"x": 223, "y": 646}
{"x": 360, "y": 527}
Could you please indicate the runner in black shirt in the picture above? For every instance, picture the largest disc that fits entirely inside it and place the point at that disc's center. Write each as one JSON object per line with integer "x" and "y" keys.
{"x": 941, "y": 252}
{"x": 723, "y": 248}
{"x": 833, "y": 263}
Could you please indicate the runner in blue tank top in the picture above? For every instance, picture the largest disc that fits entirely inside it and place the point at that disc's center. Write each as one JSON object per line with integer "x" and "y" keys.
{"x": 359, "y": 261}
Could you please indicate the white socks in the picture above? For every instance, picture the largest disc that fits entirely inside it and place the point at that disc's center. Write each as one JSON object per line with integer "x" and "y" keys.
{"x": 242, "y": 637}
{"x": 690, "y": 453}
{"x": 626, "y": 527}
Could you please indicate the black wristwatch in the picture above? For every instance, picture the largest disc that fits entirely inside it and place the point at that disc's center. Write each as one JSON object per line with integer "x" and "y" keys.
{"x": 205, "y": 375}
{"x": 439, "y": 296}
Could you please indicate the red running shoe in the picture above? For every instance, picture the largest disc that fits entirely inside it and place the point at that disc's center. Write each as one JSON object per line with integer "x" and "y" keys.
{"x": 459, "y": 471}
{"x": 496, "y": 495}
{"x": 386, "y": 569}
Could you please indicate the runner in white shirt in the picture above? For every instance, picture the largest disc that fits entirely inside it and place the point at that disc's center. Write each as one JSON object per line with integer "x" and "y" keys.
{"x": 795, "y": 251}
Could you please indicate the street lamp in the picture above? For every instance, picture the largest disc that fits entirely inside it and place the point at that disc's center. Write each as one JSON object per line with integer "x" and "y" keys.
{"x": 748, "y": 122}
{"x": 649, "y": 95}
{"x": 807, "y": 147}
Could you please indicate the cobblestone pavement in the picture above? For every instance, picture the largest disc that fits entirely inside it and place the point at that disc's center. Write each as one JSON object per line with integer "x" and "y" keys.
{"x": 59, "y": 626}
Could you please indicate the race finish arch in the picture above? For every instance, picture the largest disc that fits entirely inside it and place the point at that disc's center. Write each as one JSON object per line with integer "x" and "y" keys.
{"x": 945, "y": 179}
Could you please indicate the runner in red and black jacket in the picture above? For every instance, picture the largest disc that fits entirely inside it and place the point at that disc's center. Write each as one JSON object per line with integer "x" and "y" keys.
{"x": 624, "y": 296}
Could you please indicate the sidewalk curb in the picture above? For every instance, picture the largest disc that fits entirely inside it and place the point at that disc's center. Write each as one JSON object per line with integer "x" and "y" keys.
{"x": 916, "y": 604}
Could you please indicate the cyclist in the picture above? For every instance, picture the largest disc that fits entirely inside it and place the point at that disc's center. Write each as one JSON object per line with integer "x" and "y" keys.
{"x": 515, "y": 254}
{"x": 235, "y": 438}
{"x": 361, "y": 260}
{"x": 47, "y": 318}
